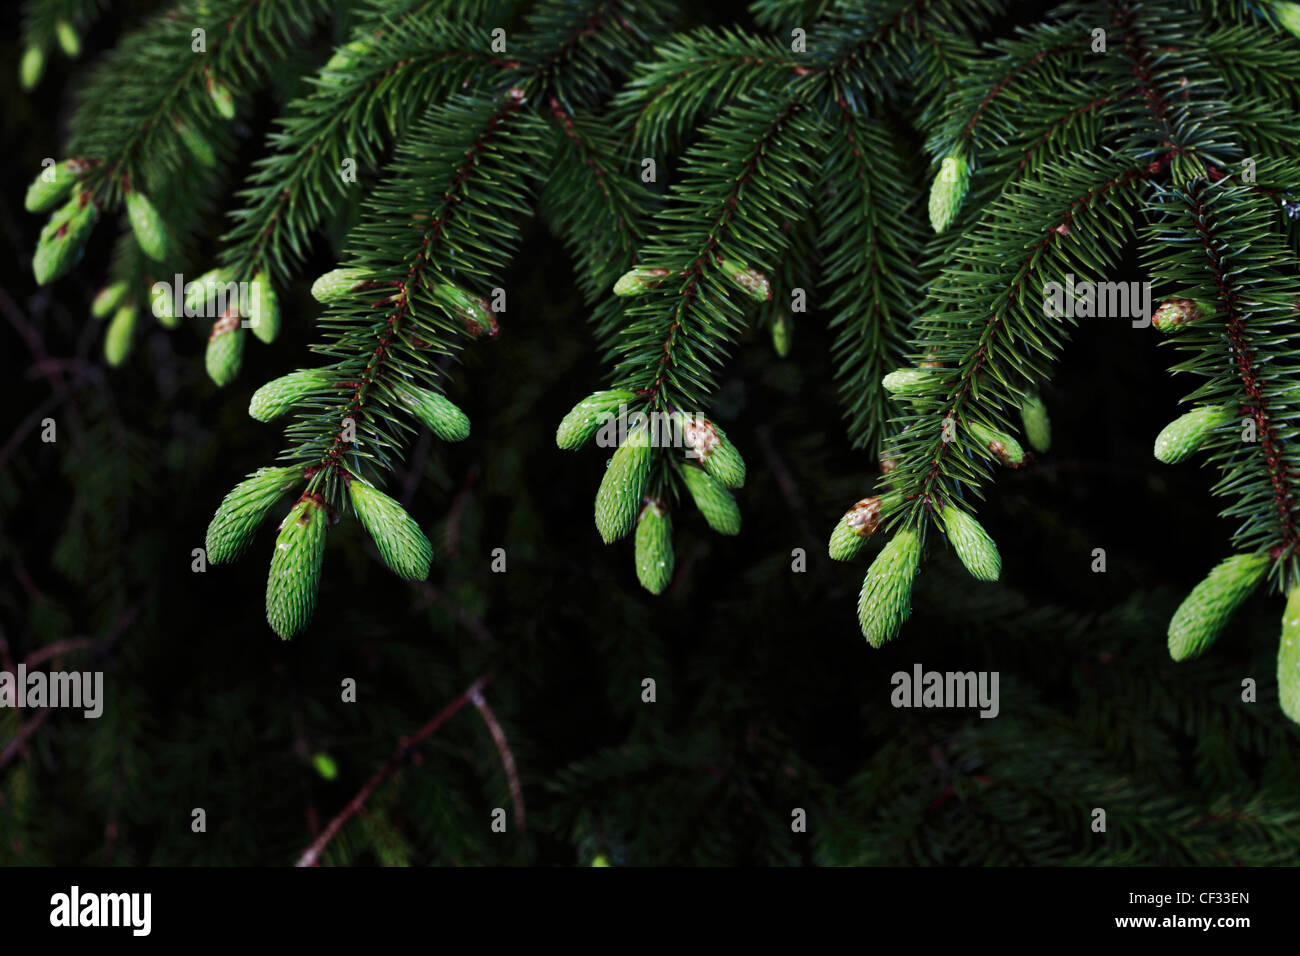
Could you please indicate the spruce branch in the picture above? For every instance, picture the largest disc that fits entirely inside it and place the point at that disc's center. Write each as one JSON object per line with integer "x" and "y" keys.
{"x": 774, "y": 14}
{"x": 127, "y": 119}
{"x": 869, "y": 246}
{"x": 879, "y": 48}
{"x": 987, "y": 110}
{"x": 375, "y": 85}
{"x": 1244, "y": 310}
{"x": 467, "y": 169}
{"x": 596, "y": 204}
{"x": 697, "y": 74}
{"x": 351, "y": 115}
{"x": 578, "y": 52}
{"x": 1217, "y": 251}
{"x": 149, "y": 134}
{"x": 380, "y": 333}
{"x": 48, "y": 24}
{"x": 741, "y": 194}
{"x": 985, "y": 330}
{"x": 729, "y": 226}
{"x": 1252, "y": 63}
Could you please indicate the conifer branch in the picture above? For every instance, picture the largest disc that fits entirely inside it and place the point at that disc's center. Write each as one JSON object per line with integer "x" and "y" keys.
{"x": 596, "y": 204}
{"x": 1064, "y": 124}
{"x": 985, "y": 347}
{"x": 993, "y": 316}
{"x": 420, "y": 283}
{"x": 774, "y": 14}
{"x": 127, "y": 122}
{"x": 696, "y": 75}
{"x": 869, "y": 244}
{"x": 1038, "y": 62}
{"x": 48, "y": 24}
{"x": 377, "y": 87}
{"x": 677, "y": 332}
{"x": 877, "y": 48}
{"x": 1240, "y": 307}
{"x": 480, "y": 142}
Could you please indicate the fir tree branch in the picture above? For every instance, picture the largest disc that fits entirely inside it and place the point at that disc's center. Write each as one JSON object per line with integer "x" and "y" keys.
{"x": 50, "y": 23}
{"x": 126, "y": 122}
{"x": 696, "y": 75}
{"x": 1053, "y": 134}
{"x": 350, "y": 115}
{"x": 586, "y": 42}
{"x": 993, "y": 360}
{"x": 1137, "y": 51}
{"x": 576, "y": 53}
{"x": 1248, "y": 297}
{"x": 876, "y": 48}
{"x": 676, "y": 333}
{"x": 869, "y": 244}
{"x": 773, "y": 14}
{"x": 1255, "y": 64}
{"x": 594, "y": 202}
{"x": 1008, "y": 92}
{"x": 1042, "y": 57}
{"x": 471, "y": 140}
{"x": 466, "y": 169}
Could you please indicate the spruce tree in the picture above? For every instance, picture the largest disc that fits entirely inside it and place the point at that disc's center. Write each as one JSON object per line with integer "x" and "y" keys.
{"x": 794, "y": 176}
{"x": 929, "y": 182}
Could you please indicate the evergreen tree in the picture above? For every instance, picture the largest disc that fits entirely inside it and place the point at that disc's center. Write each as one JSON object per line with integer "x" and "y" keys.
{"x": 708, "y": 182}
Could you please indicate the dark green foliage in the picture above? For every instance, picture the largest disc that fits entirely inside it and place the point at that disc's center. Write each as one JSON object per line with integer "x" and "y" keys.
{"x": 127, "y": 118}
{"x": 869, "y": 241}
{"x": 521, "y": 169}
{"x": 56, "y": 25}
{"x": 1141, "y": 130}
{"x": 410, "y": 59}
{"x": 1254, "y": 300}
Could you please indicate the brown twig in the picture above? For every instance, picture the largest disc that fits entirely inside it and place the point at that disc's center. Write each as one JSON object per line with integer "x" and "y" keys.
{"x": 42, "y": 654}
{"x": 311, "y": 856}
{"x": 507, "y": 757}
{"x": 44, "y": 367}
{"x": 26, "y": 330}
{"x": 27, "y": 424}
{"x": 75, "y": 368}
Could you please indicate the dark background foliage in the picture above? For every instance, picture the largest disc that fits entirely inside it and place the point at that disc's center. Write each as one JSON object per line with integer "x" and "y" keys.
{"x": 768, "y": 698}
